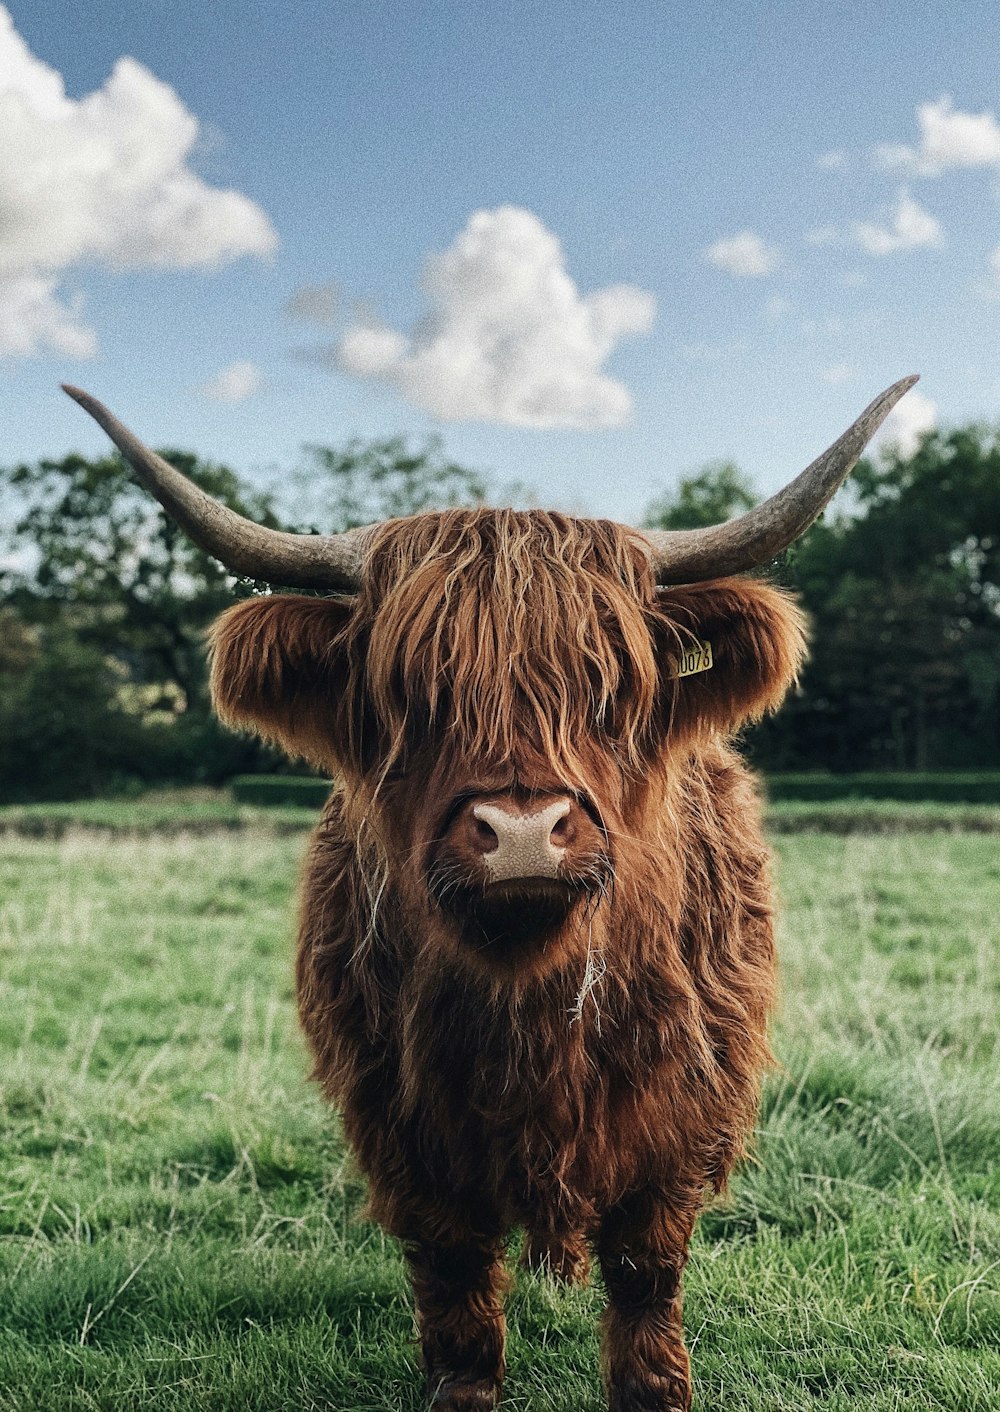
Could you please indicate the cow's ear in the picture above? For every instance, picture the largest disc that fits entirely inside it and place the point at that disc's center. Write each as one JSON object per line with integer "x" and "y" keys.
{"x": 277, "y": 670}
{"x": 729, "y": 651}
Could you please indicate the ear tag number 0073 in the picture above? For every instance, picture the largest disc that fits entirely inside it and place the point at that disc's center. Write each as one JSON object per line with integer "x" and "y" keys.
{"x": 697, "y": 658}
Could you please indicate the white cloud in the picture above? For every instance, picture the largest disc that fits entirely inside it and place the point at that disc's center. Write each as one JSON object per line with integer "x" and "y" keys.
{"x": 908, "y": 421}
{"x": 507, "y": 336}
{"x": 235, "y": 383}
{"x": 911, "y": 228}
{"x": 744, "y": 255}
{"x": 892, "y": 155}
{"x": 948, "y": 138}
{"x": 101, "y": 179}
{"x": 834, "y": 161}
{"x": 32, "y": 315}
{"x": 839, "y": 373}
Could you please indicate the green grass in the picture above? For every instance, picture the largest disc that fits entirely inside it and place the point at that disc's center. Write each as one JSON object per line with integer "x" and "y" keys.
{"x": 199, "y": 811}
{"x": 211, "y": 810}
{"x": 880, "y": 816}
{"x": 180, "y": 1228}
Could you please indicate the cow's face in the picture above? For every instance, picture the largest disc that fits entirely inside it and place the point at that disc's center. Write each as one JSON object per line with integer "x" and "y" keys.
{"x": 504, "y": 700}
{"x": 503, "y": 704}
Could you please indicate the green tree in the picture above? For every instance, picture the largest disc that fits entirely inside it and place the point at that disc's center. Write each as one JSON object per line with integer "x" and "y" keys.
{"x": 62, "y": 730}
{"x": 905, "y": 597}
{"x": 96, "y": 554}
{"x": 105, "y": 602}
{"x": 718, "y": 492}
{"x": 368, "y": 481}
{"x": 903, "y": 590}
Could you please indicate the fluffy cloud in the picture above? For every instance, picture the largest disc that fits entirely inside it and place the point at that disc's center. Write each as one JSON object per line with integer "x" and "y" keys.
{"x": 910, "y": 228}
{"x": 744, "y": 255}
{"x": 31, "y": 315}
{"x": 235, "y": 383}
{"x": 908, "y": 421}
{"x": 834, "y": 161}
{"x": 948, "y": 138}
{"x": 102, "y": 179}
{"x": 507, "y": 336}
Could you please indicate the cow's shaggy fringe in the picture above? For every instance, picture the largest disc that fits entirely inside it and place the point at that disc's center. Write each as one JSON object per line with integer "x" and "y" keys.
{"x": 469, "y": 612}
{"x": 594, "y": 1088}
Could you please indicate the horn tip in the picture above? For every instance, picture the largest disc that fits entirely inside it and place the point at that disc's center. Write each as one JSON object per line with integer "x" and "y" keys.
{"x": 90, "y": 404}
{"x": 893, "y": 394}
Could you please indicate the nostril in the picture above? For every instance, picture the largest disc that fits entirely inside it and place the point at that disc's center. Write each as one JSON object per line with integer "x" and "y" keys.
{"x": 485, "y": 837}
{"x": 512, "y": 839}
{"x": 563, "y": 831}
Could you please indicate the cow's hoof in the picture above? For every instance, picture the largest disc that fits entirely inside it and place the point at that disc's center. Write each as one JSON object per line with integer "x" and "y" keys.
{"x": 449, "y": 1395}
{"x": 658, "y": 1394}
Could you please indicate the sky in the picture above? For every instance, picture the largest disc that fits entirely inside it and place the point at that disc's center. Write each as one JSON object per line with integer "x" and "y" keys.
{"x": 592, "y": 245}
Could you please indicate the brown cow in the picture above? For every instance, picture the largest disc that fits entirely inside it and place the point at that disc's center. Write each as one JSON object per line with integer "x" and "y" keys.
{"x": 536, "y": 955}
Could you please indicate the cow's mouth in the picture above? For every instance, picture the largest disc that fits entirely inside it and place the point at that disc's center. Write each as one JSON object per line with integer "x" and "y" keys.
{"x": 513, "y": 915}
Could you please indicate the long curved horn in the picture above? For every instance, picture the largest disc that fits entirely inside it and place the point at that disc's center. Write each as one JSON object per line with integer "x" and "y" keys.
{"x": 245, "y": 548}
{"x": 691, "y": 556}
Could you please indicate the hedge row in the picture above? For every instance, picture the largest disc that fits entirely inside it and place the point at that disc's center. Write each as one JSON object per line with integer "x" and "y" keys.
{"x": 303, "y": 791}
{"x": 971, "y": 787}
{"x": 136, "y": 818}
{"x": 938, "y": 787}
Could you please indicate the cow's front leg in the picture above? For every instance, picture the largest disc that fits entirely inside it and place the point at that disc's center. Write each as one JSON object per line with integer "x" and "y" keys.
{"x": 459, "y": 1289}
{"x": 643, "y": 1246}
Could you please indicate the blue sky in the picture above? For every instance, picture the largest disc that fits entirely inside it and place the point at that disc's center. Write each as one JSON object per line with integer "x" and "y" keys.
{"x": 593, "y": 245}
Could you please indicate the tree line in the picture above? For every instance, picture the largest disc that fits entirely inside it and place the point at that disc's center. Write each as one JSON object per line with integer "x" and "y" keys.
{"x": 104, "y": 604}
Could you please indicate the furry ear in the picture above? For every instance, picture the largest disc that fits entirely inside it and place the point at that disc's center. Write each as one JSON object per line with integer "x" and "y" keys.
{"x": 276, "y": 670}
{"x": 757, "y": 639}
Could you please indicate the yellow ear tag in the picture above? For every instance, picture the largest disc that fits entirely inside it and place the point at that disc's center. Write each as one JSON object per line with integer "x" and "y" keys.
{"x": 697, "y": 658}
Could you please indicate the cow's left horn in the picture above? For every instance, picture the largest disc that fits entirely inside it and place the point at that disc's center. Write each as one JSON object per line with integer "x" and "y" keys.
{"x": 691, "y": 556}
{"x": 245, "y": 548}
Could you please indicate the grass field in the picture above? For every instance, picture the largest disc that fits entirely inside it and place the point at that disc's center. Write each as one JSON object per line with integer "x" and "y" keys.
{"x": 201, "y": 810}
{"x": 179, "y": 1227}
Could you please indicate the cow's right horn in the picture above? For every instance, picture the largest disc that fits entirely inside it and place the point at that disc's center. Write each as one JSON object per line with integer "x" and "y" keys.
{"x": 315, "y": 561}
{"x": 691, "y": 556}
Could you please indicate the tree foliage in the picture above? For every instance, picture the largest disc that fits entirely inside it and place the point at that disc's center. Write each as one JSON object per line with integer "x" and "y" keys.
{"x": 95, "y": 554}
{"x": 104, "y": 605}
{"x": 719, "y": 491}
{"x": 904, "y": 596}
{"x": 368, "y": 481}
{"x": 62, "y": 729}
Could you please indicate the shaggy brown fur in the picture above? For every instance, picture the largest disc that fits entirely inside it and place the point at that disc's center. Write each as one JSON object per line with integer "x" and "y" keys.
{"x": 590, "y": 1082}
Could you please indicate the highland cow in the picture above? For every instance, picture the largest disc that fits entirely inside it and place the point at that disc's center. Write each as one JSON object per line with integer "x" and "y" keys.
{"x": 536, "y": 953}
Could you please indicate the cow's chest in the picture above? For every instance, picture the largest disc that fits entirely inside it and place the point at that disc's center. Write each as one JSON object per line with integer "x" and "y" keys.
{"x": 547, "y": 1112}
